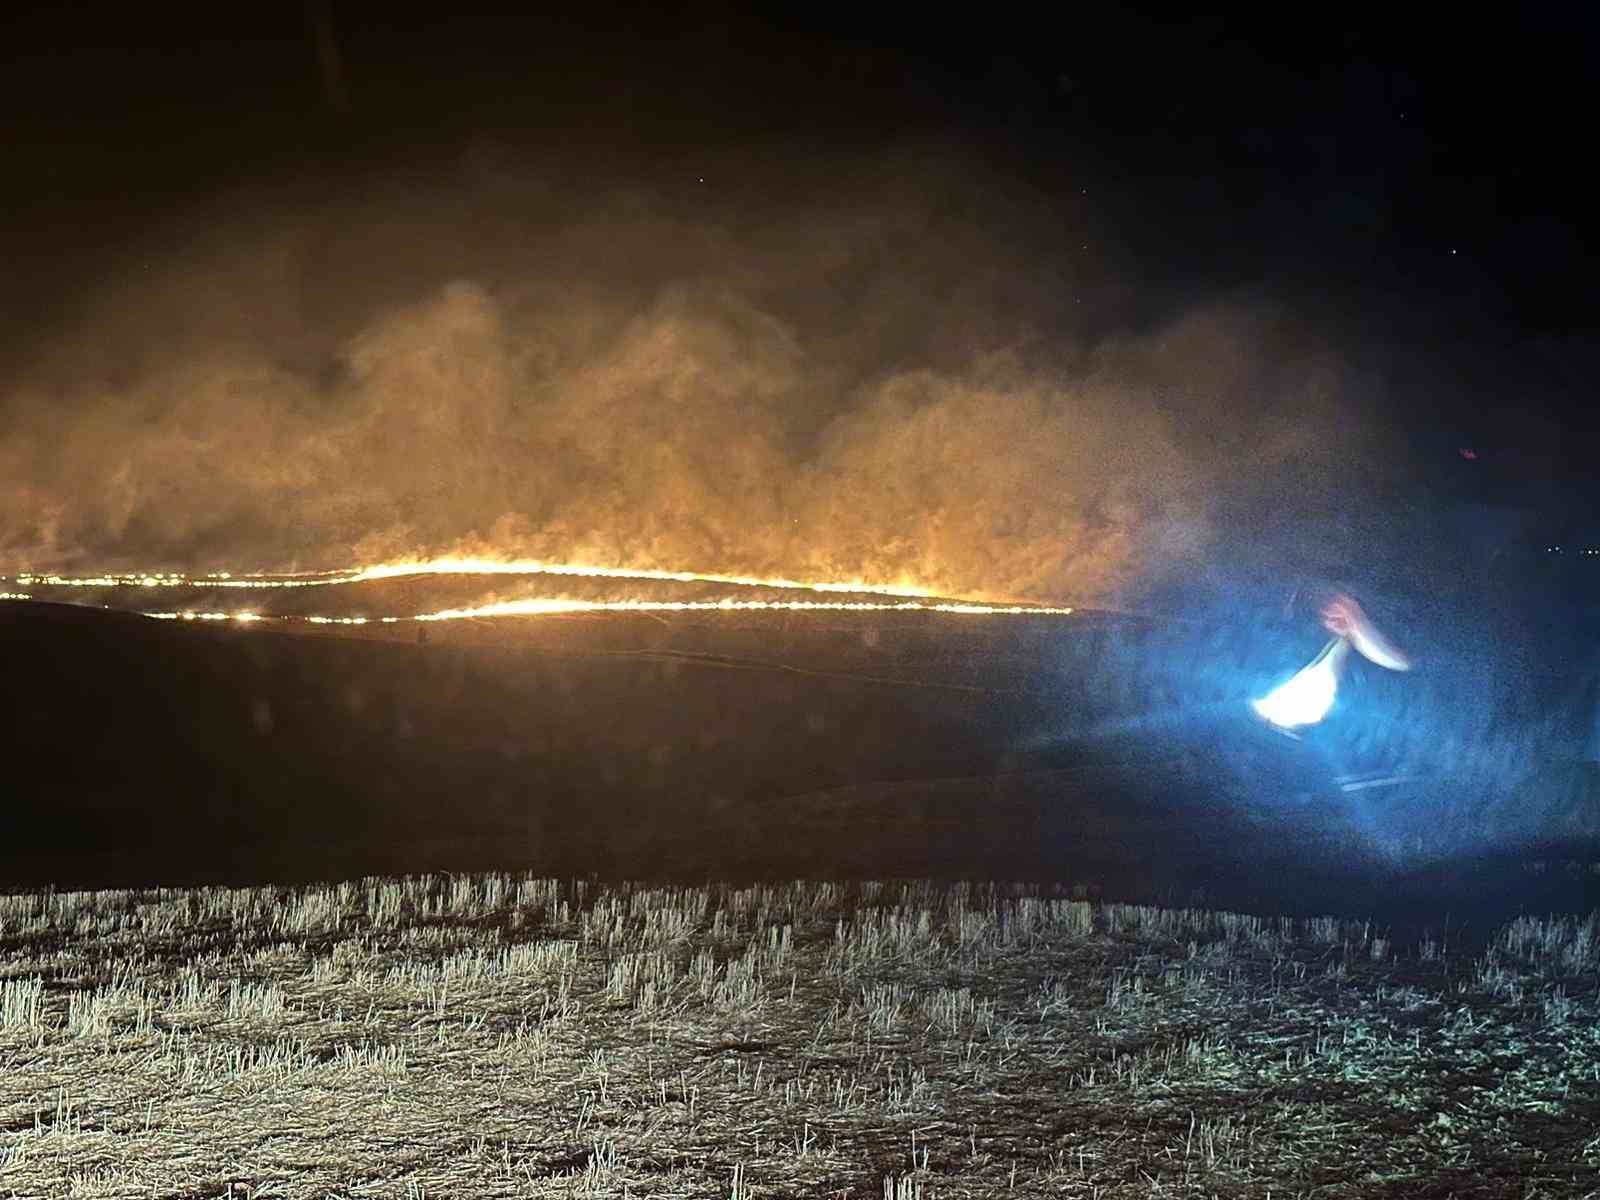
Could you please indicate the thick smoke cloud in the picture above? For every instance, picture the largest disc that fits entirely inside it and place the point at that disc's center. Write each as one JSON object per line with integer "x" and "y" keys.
{"x": 912, "y": 373}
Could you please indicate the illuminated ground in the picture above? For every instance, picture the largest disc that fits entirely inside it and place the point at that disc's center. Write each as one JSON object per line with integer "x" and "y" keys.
{"x": 512, "y": 1036}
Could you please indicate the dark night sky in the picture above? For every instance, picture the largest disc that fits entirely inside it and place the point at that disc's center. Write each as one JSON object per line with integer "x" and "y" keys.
{"x": 1422, "y": 187}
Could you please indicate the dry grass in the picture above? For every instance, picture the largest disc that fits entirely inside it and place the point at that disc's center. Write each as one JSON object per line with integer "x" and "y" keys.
{"x": 498, "y": 1036}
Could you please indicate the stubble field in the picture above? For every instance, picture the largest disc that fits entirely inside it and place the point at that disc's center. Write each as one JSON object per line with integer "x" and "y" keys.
{"x": 504, "y": 1035}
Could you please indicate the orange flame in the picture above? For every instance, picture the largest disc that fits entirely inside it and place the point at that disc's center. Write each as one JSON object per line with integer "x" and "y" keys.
{"x": 485, "y": 566}
{"x": 901, "y": 597}
{"x": 452, "y": 566}
{"x": 516, "y": 608}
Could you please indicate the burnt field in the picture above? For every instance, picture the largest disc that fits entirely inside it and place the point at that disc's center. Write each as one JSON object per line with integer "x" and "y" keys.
{"x": 731, "y": 746}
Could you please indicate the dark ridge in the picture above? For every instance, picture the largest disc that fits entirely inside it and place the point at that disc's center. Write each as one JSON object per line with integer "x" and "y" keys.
{"x": 141, "y": 752}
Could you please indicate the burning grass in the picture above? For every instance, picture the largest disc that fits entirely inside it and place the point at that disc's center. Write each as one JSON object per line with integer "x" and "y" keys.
{"x": 454, "y": 589}
{"x": 508, "y": 1036}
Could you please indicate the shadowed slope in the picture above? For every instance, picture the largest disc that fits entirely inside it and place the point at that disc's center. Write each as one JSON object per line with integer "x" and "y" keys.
{"x": 141, "y": 752}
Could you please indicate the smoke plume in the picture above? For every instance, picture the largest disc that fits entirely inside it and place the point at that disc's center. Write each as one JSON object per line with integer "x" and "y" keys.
{"x": 908, "y": 372}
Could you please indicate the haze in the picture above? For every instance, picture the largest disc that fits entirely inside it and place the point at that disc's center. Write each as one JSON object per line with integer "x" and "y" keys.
{"x": 902, "y": 369}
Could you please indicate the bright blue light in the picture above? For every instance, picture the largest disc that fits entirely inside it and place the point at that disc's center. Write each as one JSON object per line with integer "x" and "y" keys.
{"x": 1308, "y": 695}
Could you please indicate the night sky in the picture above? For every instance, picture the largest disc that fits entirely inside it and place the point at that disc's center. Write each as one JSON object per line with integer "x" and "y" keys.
{"x": 1418, "y": 189}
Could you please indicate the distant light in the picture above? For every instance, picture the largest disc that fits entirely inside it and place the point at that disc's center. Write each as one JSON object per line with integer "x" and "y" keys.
{"x": 1468, "y": 453}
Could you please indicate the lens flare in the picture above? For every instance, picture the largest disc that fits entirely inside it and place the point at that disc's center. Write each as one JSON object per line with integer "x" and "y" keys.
{"x": 1305, "y": 698}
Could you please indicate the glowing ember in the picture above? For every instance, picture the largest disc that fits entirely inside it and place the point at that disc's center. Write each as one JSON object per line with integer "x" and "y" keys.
{"x": 481, "y": 566}
{"x": 517, "y": 608}
{"x": 542, "y": 607}
{"x": 191, "y": 615}
{"x": 453, "y": 566}
{"x": 899, "y": 597}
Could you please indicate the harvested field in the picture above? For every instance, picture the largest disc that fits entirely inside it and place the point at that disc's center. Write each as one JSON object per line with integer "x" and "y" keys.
{"x": 505, "y": 1035}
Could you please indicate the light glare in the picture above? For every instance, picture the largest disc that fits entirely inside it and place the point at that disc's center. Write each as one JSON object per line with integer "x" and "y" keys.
{"x": 1305, "y": 698}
